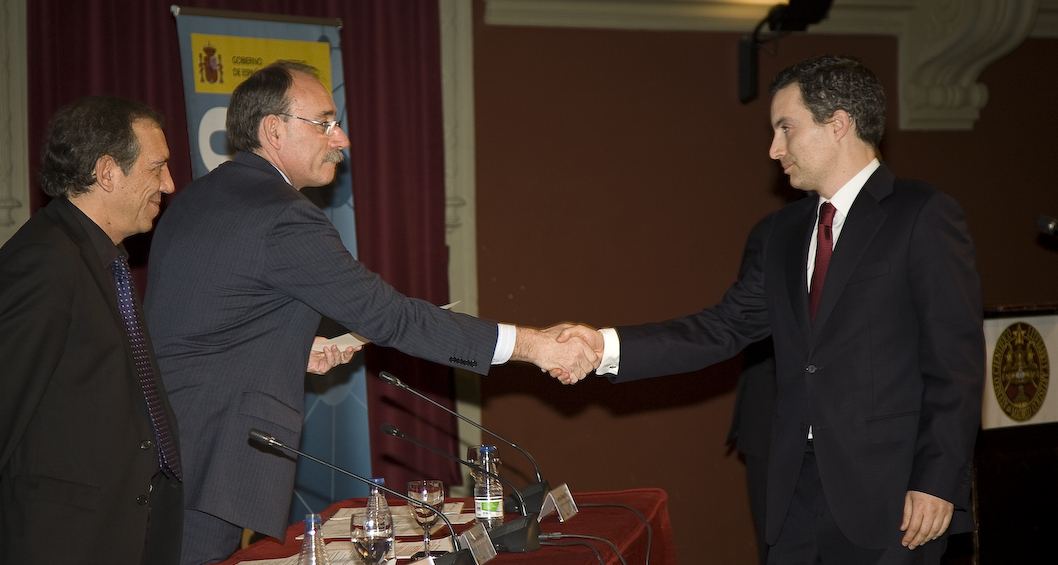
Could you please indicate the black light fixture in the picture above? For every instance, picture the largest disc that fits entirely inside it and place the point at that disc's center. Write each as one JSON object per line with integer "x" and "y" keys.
{"x": 796, "y": 15}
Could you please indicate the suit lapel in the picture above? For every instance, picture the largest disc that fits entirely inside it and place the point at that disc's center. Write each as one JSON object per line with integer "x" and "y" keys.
{"x": 103, "y": 277}
{"x": 862, "y": 223}
{"x": 796, "y": 264}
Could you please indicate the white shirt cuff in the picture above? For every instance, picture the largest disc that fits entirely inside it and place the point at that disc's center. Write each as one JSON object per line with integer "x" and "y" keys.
{"x": 611, "y": 352}
{"x": 504, "y": 344}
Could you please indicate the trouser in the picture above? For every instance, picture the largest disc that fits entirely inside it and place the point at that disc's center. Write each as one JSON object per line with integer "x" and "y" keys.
{"x": 810, "y": 535}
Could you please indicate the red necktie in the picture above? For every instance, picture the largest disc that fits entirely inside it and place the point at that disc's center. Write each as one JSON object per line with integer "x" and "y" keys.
{"x": 824, "y": 247}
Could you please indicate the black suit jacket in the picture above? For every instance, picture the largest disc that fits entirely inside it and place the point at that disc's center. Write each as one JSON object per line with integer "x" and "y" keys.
{"x": 755, "y": 393}
{"x": 77, "y": 451}
{"x": 242, "y": 266}
{"x": 889, "y": 376}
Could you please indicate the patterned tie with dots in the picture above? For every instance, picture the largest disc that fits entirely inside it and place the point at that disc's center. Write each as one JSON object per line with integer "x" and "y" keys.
{"x": 168, "y": 459}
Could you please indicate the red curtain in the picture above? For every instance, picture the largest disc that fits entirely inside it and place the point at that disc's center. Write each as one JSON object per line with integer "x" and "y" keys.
{"x": 391, "y": 55}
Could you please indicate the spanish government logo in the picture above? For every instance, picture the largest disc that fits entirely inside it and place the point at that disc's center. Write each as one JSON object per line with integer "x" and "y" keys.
{"x": 210, "y": 69}
{"x": 1020, "y": 371}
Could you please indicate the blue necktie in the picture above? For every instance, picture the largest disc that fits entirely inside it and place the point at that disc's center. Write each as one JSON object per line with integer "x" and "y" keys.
{"x": 168, "y": 459}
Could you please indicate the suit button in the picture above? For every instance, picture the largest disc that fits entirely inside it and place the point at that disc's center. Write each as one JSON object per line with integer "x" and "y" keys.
{"x": 141, "y": 500}
{"x": 811, "y": 369}
{"x": 146, "y": 444}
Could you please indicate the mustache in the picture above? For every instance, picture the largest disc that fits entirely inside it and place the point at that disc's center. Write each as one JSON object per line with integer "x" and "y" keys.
{"x": 333, "y": 156}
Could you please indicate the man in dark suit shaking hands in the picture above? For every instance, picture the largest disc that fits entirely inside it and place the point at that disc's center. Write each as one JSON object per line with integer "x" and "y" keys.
{"x": 242, "y": 267}
{"x": 870, "y": 292}
{"x": 89, "y": 467}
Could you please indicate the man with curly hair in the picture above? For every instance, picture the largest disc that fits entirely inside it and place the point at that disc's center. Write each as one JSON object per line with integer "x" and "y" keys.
{"x": 869, "y": 290}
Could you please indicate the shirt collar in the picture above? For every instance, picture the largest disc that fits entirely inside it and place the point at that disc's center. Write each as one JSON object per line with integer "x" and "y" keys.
{"x": 280, "y": 172}
{"x": 846, "y": 195}
{"x": 100, "y": 241}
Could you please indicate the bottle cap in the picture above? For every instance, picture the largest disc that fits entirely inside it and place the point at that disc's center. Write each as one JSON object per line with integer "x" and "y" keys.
{"x": 488, "y": 448}
{"x": 378, "y": 481}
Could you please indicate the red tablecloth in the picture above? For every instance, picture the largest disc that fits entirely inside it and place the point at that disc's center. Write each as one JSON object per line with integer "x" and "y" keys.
{"x": 619, "y": 525}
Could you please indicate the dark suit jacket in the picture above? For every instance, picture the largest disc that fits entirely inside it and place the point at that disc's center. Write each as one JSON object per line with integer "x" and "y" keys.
{"x": 889, "y": 376}
{"x": 242, "y": 266}
{"x": 755, "y": 393}
{"x": 77, "y": 447}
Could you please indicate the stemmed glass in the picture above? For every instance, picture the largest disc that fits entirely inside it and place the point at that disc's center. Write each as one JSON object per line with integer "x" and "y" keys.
{"x": 372, "y": 538}
{"x": 433, "y": 494}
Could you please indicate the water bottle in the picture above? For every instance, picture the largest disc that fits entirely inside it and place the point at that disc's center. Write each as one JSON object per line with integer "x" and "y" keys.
{"x": 488, "y": 491}
{"x": 313, "y": 548}
{"x": 377, "y": 526}
{"x": 377, "y": 505}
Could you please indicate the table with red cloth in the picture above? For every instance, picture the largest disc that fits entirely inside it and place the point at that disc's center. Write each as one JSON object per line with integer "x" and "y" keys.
{"x": 619, "y": 525}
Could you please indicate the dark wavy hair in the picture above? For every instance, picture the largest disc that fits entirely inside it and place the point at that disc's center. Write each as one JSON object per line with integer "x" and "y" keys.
{"x": 82, "y": 133}
{"x": 262, "y": 94}
{"x": 836, "y": 82}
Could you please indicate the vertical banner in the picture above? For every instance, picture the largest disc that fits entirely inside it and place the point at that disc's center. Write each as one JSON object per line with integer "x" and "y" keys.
{"x": 218, "y": 50}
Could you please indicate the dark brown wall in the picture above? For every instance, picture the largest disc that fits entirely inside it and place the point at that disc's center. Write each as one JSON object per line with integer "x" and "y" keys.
{"x": 618, "y": 176}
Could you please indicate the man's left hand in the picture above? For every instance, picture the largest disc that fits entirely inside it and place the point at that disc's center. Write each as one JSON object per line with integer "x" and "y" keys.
{"x": 322, "y": 361}
{"x": 926, "y": 518}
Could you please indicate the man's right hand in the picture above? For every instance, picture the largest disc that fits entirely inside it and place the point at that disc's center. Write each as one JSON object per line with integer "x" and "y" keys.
{"x": 564, "y": 333}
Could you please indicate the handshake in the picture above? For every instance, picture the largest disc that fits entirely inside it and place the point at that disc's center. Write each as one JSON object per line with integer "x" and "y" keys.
{"x": 567, "y": 351}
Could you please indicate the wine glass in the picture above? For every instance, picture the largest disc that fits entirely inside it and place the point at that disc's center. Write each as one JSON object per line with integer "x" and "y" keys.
{"x": 372, "y": 538}
{"x": 431, "y": 493}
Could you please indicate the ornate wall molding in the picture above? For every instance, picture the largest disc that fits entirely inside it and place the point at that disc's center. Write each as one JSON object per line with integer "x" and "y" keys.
{"x": 944, "y": 44}
{"x": 948, "y": 44}
{"x": 14, "y": 143}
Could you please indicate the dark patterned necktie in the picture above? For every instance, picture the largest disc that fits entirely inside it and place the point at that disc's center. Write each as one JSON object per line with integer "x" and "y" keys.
{"x": 168, "y": 460}
{"x": 824, "y": 247}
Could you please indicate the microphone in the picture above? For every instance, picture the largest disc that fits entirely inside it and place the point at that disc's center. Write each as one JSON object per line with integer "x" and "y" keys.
{"x": 520, "y": 535}
{"x": 1047, "y": 225}
{"x": 457, "y": 557}
{"x": 531, "y": 497}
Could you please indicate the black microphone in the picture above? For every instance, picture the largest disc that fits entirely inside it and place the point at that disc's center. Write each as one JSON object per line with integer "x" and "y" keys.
{"x": 458, "y": 557}
{"x": 520, "y": 535}
{"x": 1047, "y": 225}
{"x": 532, "y": 496}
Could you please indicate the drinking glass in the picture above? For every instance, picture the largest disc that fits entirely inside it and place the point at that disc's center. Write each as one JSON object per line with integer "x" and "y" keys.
{"x": 372, "y": 538}
{"x": 431, "y": 493}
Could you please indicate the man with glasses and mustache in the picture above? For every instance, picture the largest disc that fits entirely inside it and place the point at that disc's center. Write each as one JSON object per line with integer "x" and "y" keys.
{"x": 242, "y": 267}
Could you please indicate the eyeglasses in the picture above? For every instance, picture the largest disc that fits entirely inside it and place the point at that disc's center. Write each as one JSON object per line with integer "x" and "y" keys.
{"x": 328, "y": 127}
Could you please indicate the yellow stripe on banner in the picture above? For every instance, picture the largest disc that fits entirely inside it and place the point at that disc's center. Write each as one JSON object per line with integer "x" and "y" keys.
{"x": 224, "y": 61}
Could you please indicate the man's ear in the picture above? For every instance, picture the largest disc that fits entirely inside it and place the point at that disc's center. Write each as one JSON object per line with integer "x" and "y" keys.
{"x": 272, "y": 130}
{"x": 840, "y": 124}
{"x": 108, "y": 173}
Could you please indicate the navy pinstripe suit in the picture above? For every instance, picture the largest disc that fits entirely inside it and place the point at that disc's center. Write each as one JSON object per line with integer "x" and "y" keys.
{"x": 242, "y": 266}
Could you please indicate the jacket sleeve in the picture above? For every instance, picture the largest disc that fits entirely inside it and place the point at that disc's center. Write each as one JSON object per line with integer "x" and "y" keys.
{"x": 315, "y": 267}
{"x": 36, "y": 299}
{"x": 947, "y": 296}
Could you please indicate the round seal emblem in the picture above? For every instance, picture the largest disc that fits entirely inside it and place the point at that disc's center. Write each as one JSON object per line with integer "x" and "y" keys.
{"x": 1020, "y": 371}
